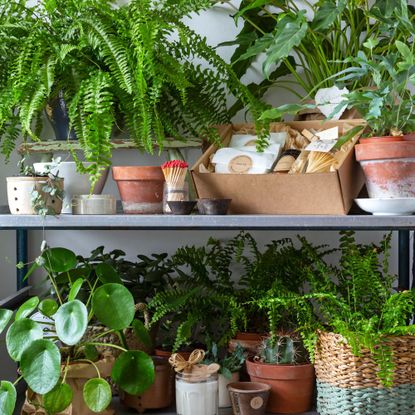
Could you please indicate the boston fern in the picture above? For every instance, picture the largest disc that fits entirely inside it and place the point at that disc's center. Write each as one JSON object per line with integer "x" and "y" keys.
{"x": 135, "y": 68}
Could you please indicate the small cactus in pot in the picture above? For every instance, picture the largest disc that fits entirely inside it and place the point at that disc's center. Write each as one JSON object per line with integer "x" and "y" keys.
{"x": 282, "y": 349}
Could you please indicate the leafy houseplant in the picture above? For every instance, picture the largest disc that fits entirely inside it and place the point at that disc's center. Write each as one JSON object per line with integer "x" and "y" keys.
{"x": 49, "y": 352}
{"x": 230, "y": 365}
{"x": 32, "y": 193}
{"x": 312, "y": 40}
{"x": 130, "y": 67}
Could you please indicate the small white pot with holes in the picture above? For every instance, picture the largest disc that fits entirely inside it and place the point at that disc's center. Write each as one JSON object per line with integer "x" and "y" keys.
{"x": 19, "y": 195}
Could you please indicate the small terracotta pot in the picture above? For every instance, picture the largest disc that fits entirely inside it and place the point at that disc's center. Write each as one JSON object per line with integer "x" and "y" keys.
{"x": 141, "y": 188}
{"x": 249, "y": 398}
{"x": 292, "y": 386}
{"x": 160, "y": 394}
{"x": 389, "y": 168}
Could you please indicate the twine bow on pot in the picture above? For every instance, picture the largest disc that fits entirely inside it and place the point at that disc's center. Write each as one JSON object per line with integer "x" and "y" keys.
{"x": 192, "y": 369}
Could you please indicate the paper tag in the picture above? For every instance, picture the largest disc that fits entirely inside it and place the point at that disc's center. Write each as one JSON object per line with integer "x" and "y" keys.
{"x": 329, "y": 134}
{"x": 324, "y": 146}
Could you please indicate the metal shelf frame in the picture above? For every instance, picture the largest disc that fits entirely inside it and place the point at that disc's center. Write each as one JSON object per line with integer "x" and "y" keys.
{"x": 23, "y": 224}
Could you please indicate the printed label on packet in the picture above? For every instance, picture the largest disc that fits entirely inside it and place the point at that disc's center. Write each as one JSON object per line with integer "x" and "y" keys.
{"x": 323, "y": 146}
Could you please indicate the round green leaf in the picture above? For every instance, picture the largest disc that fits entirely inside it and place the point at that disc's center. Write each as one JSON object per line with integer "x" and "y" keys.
{"x": 48, "y": 307}
{"x": 20, "y": 336}
{"x": 41, "y": 366}
{"x": 133, "y": 372}
{"x": 71, "y": 321}
{"x": 107, "y": 274}
{"x": 58, "y": 399}
{"x": 7, "y": 398}
{"x": 5, "y": 317}
{"x": 27, "y": 308}
{"x": 76, "y": 286}
{"x": 59, "y": 259}
{"x": 142, "y": 333}
{"x": 113, "y": 306}
{"x": 97, "y": 394}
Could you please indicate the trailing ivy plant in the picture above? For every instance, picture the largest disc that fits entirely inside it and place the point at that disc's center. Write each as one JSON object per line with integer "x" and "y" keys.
{"x": 311, "y": 40}
{"x": 45, "y": 355}
{"x": 135, "y": 68}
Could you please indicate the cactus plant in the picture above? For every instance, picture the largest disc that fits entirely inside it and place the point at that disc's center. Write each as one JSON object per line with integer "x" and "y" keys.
{"x": 282, "y": 349}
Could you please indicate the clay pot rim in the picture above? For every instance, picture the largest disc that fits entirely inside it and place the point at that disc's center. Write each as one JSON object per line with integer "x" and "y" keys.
{"x": 385, "y": 151}
{"x": 381, "y": 139}
{"x": 32, "y": 178}
{"x": 252, "y": 361}
{"x": 138, "y": 173}
{"x": 260, "y": 387}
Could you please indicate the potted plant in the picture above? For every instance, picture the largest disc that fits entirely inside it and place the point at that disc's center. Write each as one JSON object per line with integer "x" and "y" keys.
{"x": 230, "y": 365}
{"x": 386, "y": 106}
{"x": 361, "y": 336}
{"x": 152, "y": 91}
{"x": 62, "y": 366}
{"x": 283, "y": 364}
{"x": 301, "y": 50}
{"x": 32, "y": 193}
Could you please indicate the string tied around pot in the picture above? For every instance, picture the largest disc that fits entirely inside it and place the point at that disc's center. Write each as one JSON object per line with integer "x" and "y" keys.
{"x": 192, "y": 369}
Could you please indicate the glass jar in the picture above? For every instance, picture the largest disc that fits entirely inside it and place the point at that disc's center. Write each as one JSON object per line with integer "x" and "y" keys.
{"x": 196, "y": 394}
{"x": 174, "y": 193}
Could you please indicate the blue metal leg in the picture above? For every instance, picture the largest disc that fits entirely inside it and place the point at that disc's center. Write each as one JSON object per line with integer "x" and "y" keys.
{"x": 404, "y": 260}
{"x": 21, "y": 256}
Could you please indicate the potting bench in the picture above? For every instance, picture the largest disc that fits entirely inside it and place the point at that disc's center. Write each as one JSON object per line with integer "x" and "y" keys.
{"x": 24, "y": 224}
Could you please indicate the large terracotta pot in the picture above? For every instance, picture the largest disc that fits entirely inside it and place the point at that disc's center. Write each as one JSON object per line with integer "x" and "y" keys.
{"x": 377, "y": 140}
{"x": 141, "y": 188}
{"x": 389, "y": 168}
{"x": 160, "y": 394}
{"x": 292, "y": 386}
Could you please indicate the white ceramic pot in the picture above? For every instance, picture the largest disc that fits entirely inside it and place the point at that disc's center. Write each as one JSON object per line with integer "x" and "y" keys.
{"x": 75, "y": 182}
{"x": 223, "y": 382}
{"x": 19, "y": 195}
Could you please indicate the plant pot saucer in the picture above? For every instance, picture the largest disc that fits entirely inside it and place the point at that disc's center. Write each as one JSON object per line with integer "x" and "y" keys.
{"x": 388, "y": 206}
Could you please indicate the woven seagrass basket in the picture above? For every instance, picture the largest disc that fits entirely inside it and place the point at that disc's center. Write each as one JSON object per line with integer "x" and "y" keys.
{"x": 349, "y": 384}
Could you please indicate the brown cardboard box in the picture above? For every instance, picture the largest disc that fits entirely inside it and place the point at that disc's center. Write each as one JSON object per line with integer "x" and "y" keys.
{"x": 284, "y": 194}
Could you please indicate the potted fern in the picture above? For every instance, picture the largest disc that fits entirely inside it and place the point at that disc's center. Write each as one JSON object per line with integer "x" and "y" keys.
{"x": 65, "y": 368}
{"x": 145, "y": 81}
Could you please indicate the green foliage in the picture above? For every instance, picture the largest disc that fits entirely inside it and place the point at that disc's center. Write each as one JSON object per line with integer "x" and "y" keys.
{"x": 284, "y": 349}
{"x": 229, "y": 362}
{"x": 45, "y": 351}
{"x": 388, "y": 105}
{"x": 134, "y": 68}
{"x": 314, "y": 46}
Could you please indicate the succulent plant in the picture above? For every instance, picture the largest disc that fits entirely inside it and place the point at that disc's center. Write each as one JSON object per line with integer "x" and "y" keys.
{"x": 282, "y": 350}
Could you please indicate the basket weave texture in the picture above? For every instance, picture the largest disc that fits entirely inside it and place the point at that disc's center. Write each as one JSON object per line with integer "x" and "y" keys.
{"x": 349, "y": 384}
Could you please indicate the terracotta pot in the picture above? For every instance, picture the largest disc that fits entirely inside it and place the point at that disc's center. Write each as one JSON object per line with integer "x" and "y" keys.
{"x": 223, "y": 382}
{"x": 141, "y": 188}
{"x": 389, "y": 168}
{"x": 409, "y": 137}
{"x": 160, "y": 395}
{"x": 249, "y": 341}
{"x": 292, "y": 386}
{"x": 377, "y": 140}
{"x": 19, "y": 195}
{"x": 249, "y": 398}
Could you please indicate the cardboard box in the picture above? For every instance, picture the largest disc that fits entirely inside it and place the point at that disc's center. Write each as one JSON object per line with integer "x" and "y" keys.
{"x": 284, "y": 194}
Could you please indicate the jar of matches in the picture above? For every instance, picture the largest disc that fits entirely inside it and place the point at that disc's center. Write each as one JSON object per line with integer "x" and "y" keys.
{"x": 176, "y": 187}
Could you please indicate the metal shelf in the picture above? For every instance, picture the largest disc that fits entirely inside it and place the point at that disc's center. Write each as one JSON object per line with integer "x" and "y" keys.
{"x": 200, "y": 222}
